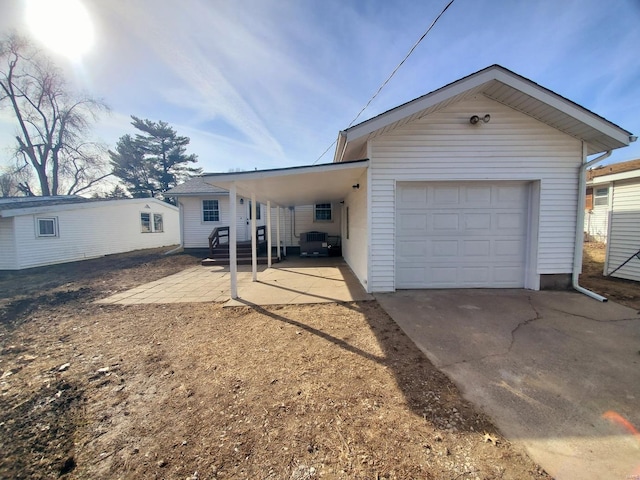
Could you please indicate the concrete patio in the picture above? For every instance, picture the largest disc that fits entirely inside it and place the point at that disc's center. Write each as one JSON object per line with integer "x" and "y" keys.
{"x": 294, "y": 281}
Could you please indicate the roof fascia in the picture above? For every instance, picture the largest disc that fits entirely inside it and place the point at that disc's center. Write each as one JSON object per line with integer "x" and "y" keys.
{"x": 278, "y": 172}
{"x": 421, "y": 103}
{"x": 615, "y": 177}
{"x": 502, "y": 75}
{"x": 562, "y": 104}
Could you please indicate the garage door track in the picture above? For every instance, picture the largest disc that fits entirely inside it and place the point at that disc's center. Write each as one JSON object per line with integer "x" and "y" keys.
{"x": 557, "y": 371}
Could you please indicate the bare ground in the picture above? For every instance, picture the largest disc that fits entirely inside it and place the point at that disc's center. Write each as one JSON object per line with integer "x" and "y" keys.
{"x": 195, "y": 391}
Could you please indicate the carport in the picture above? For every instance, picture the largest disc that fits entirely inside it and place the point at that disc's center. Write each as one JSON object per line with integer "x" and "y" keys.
{"x": 283, "y": 188}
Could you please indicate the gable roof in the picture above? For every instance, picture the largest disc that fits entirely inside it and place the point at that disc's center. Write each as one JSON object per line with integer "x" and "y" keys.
{"x": 14, "y": 206}
{"x": 196, "y": 186}
{"x": 503, "y": 86}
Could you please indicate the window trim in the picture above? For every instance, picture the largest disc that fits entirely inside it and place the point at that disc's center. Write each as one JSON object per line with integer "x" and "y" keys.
{"x": 323, "y": 209}
{"x": 216, "y": 210}
{"x": 599, "y": 199}
{"x": 54, "y": 222}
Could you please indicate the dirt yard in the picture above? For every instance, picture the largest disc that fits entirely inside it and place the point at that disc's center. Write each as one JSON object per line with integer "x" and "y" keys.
{"x": 617, "y": 290}
{"x": 195, "y": 391}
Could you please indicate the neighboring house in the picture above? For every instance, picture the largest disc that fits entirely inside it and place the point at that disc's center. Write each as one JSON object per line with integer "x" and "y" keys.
{"x": 204, "y": 207}
{"x": 613, "y": 193}
{"x": 599, "y": 194}
{"x": 36, "y": 231}
{"x": 477, "y": 184}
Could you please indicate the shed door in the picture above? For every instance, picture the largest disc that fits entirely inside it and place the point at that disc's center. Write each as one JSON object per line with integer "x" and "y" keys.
{"x": 461, "y": 235}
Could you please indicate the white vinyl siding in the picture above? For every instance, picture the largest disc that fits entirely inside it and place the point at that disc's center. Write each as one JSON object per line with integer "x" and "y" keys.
{"x": 196, "y": 231}
{"x": 355, "y": 248}
{"x": 7, "y": 245}
{"x": 624, "y": 234}
{"x": 445, "y": 147}
{"x": 596, "y": 221}
{"x": 92, "y": 230}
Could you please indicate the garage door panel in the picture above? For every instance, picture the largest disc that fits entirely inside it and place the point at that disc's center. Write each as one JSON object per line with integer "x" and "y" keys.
{"x": 477, "y": 248}
{"x": 413, "y": 222}
{"x": 478, "y": 195}
{"x": 445, "y": 221}
{"x": 469, "y": 235}
{"x": 477, "y": 221}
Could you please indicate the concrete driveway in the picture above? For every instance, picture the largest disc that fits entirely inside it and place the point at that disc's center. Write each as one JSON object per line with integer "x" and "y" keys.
{"x": 558, "y": 372}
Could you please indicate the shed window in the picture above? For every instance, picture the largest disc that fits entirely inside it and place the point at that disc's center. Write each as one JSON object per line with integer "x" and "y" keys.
{"x": 323, "y": 212}
{"x": 47, "y": 227}
{"x": 210, "y": 211}
{"x": 158, "y": 224}
{"x": 601, "y": 196}
{"x": 145, "y": 222}
{"x": 151, "y": 223}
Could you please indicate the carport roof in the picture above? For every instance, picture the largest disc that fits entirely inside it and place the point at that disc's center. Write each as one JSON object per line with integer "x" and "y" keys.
{"x": 503, "y": 86}
{"x": 287, "y": 187}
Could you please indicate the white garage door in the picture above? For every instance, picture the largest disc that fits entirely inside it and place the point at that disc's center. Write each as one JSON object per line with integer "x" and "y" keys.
{"x": 461, "y": 235}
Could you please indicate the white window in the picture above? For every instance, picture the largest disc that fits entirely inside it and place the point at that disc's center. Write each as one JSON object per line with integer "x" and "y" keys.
{"x": 258, "y": 208}
{"x": 47, "y": 227}
{"x": 210, "y": 211}
{"x": 323, "y": 212}
{"x": 601, "y": 196}
{"x": 151, "y": 222}
{"x": 158, "y": 225}
{"x": 145, "y": 222}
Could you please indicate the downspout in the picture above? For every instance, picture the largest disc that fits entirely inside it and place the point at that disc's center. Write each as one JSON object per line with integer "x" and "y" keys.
{"x": 180, "y": 247}
{"x": 577, "y": 255}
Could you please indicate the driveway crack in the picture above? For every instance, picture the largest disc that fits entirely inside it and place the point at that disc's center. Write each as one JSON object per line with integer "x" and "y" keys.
{"x": 520, "y": 325}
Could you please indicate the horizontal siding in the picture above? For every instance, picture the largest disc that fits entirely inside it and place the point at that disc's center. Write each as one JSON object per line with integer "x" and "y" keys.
{"x": 444, "y": 146}
{"x": 196, "y": 232}
{"x": 7, "y": 245}
{"x": 596, "y": 223}
{"x": 355, "y": 248}
{"x": 624, "y": 239}
{"x": 93, "y": 232}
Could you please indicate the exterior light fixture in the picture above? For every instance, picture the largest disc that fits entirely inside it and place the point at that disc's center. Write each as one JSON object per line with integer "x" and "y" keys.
{"x": 475, "y": 119}
{"x": 241, "y": 201}
{"x": 356, "y": 186}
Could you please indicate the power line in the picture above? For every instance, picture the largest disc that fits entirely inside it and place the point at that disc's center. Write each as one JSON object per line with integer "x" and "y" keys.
{"x": 384, "y": 84}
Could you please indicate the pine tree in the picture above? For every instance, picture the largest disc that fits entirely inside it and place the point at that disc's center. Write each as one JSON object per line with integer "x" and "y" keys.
{"x": 153, "y": 161}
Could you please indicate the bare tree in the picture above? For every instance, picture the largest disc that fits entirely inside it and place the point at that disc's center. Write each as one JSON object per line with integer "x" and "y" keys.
{"x": 53, "y": 124}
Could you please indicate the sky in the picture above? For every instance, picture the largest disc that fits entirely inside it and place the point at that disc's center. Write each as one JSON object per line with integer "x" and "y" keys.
{"x": 259, "y": 84}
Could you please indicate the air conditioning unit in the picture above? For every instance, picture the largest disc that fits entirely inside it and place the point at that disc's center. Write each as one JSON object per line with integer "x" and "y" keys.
{"x": 314, "y": 244}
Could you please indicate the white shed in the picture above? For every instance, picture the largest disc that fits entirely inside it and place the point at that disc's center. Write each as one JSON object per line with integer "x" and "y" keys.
{"x": 37, "y": 231}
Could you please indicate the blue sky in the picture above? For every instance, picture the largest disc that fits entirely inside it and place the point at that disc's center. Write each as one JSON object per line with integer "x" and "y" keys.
{"x": 269, "y": 83}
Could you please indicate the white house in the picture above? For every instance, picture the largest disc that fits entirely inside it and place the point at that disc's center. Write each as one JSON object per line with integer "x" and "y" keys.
{"x": 613, "y": 193}
{"x": 204, "y": 207}
{"x": 477, "y": 184}
{"x": 36, "y": 231}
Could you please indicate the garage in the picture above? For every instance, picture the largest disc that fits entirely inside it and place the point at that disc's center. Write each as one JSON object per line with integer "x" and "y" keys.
{"x": 461, "y": 234}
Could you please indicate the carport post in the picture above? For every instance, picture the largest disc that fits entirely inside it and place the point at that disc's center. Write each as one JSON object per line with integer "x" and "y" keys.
{"x": 278, "y": 231}
{"x": 269, "y": 233}
{"x": 254, "y": 240}
{"x": 233, "y": 234}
